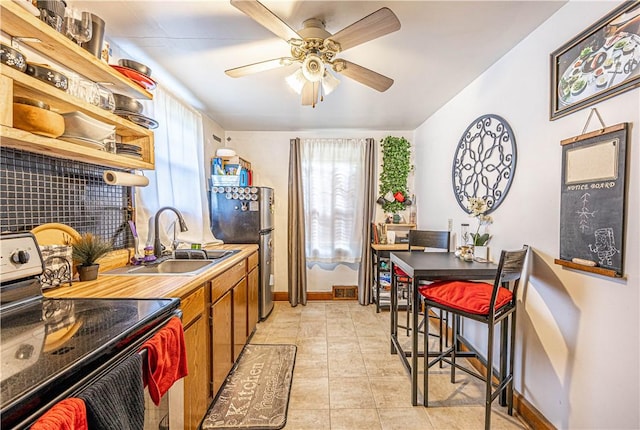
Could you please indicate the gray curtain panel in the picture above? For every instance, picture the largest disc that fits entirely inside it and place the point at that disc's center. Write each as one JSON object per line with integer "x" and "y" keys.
{"x": 364, "y": 270}
{"x": 295, "y": 234}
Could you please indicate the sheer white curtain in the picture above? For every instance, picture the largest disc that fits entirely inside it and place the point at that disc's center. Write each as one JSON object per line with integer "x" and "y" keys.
{"x": 333, "y": 188}
{"x": 179, "y": 178}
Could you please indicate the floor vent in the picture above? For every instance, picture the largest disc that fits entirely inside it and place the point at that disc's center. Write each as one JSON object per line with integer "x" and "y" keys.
{"x": 345, "y": 292}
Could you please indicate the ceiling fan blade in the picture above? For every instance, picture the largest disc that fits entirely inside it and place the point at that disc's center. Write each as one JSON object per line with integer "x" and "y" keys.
{"x": 372, "y": 26}
{"x": 238, "y": 72}
{"x": 364, "y": 76}
{"x": 310, "y": 93}
{"x": 263, "y": 16}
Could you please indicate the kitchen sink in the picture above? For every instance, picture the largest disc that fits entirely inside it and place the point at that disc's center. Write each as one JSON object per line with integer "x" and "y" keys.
{"x": 166, "y": 267}
{"x": 176, "y": 267}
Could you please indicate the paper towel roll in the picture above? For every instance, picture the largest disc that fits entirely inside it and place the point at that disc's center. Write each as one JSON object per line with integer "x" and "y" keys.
{"x": 113, "y": 177}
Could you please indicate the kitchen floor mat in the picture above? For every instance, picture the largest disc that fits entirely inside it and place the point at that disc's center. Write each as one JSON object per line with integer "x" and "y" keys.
{"x": 256, "y": 393}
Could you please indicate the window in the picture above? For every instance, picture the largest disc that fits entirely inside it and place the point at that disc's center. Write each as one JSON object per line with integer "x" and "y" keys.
{"x": 179, "y": 176}
{"x": 333, "y": 189}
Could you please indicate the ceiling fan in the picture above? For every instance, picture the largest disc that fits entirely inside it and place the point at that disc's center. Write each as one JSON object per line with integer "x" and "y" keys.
{"x": 315, "y": 49}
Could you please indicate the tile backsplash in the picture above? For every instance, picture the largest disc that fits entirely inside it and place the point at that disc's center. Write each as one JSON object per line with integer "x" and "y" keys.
{"x": 37, "y": 189}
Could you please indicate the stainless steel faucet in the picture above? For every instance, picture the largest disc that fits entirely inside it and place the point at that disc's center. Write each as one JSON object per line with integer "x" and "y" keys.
{"x": 157, "y": 245}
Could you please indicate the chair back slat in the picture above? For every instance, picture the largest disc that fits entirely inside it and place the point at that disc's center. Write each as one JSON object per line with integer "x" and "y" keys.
{"x": 509, "y": 273}
{"x": 511, "y": 265}
{"x": 429, "y": 239}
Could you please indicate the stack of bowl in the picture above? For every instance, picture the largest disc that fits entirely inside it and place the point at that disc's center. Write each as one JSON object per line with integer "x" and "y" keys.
{"x": 87, "y": 131}
{"x": 35, "y": 117}
{"x": 131, "y": 109}
{"x": 125, "y": 107}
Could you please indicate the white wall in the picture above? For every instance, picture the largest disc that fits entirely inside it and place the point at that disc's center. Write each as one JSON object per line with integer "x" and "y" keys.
{"x": 210, "y": 128}
{"x": 268, "y": 153}
{"x": 578, "y": 334}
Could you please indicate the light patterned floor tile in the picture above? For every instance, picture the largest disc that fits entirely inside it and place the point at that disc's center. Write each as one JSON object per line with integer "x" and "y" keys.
{"x": 355, "y": 419}
{"x": 404, "y": 418}
{"x": 309, "y": 393}
{"x": 350, "y": 393}
{"x": 305, "y": 419}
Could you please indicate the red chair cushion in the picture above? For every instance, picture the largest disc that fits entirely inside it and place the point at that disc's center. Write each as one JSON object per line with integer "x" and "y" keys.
{"x": 398, "y": 271}
{"x": 467, "y": 296}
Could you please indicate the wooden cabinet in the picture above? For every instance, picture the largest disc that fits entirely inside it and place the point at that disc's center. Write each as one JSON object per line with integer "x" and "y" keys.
{"x": 240, "y": 308}
{"x": 252, "y": 287}
{"x": 196, "y": 386}
{"x": 234, "y": 314}
{"x": 17, "y": 22}
{"x": 221, "y": 333}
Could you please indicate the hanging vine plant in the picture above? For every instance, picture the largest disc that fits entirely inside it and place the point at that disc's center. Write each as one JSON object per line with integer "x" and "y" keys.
{"x": 396, "y": 153}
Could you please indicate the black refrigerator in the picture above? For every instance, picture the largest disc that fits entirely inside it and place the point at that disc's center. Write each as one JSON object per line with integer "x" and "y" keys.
{"x": 245, "y": 215}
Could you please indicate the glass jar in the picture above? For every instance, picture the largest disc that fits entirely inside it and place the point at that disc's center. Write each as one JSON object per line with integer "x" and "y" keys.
{"x": 465, "y": 236}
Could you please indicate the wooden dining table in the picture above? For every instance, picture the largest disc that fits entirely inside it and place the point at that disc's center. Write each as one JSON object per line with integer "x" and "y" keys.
{"x": 427, "y": 266}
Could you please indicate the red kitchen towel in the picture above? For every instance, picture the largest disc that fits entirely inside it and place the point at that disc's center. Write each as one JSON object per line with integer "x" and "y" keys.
{"x": 166, "y": 359}
{"x": 69, "y": 414}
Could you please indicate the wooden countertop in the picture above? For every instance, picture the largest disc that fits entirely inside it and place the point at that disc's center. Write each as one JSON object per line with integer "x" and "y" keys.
{"x": 145, "y": 287}
{"x": 390, "y": 247}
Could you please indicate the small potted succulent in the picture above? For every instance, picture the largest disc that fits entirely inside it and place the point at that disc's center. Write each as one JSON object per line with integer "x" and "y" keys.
{"x": 86, "y": 251}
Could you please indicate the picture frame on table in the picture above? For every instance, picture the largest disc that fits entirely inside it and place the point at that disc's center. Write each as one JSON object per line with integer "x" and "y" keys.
{"x": 600, "y": 62}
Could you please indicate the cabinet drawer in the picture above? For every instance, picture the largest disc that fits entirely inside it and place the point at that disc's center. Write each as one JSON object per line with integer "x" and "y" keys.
{"x": 252, "y": 261}
{"x": 192, "y": 306}
{"x": 222, "y": 283}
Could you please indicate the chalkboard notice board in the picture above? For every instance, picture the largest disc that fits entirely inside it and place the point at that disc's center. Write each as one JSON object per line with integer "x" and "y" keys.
{"x": 592, "y": 206}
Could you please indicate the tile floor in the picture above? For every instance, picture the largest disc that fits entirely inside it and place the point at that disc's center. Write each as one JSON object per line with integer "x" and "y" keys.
{"x": 346, "y": 378}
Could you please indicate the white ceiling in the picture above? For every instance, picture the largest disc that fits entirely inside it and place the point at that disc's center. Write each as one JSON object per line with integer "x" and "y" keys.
{"x": 441, "y": 47}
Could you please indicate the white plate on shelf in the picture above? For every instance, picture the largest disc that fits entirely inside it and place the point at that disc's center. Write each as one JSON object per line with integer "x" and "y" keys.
{"x": 89, "y": 143}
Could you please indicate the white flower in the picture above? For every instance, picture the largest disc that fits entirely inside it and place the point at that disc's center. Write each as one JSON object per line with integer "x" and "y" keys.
{"x": 478, "y": 206}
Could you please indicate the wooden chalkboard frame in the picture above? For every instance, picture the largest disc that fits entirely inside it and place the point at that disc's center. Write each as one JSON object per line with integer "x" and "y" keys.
{"x": 593, "y": 201}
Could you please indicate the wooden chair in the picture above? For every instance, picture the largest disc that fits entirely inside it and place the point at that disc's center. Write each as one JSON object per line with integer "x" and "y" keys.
{"x": 422, "y": 241}
{"x": 488, "y": 304}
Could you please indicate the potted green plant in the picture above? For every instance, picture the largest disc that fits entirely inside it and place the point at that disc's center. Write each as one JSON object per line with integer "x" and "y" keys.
{"x": 396, "y": 165}
{"x": 87, "y": 250}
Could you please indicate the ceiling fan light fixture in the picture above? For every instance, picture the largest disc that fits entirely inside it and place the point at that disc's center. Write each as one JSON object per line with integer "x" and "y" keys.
{"x": 313, "y": 68}
{"x": 296, "y": 81}
{"x": 329, "y": 83}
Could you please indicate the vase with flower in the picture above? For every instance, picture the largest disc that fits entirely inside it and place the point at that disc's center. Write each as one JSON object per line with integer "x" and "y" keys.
{"x": 478, "y": 207}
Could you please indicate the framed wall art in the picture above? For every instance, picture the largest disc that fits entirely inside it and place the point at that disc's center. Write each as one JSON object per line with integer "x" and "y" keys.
{"x": 597, "y": 64}
{"x": 485, "y": 162}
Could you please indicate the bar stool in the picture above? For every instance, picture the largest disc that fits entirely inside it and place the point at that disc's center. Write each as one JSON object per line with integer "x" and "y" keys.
{"x": 419, "y": 240}
{"x": 485, "y": 303}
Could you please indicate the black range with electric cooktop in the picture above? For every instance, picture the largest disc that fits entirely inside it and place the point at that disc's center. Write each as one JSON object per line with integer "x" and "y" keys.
{"x": 51, "y": 349}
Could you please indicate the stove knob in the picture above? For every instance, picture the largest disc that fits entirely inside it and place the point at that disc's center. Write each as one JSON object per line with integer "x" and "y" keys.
{"x": 20, "y": 257}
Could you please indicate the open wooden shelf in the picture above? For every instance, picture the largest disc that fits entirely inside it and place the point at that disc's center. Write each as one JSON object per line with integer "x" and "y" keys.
{"x": 20, "y": 139}
{"x": 17, "y": 22}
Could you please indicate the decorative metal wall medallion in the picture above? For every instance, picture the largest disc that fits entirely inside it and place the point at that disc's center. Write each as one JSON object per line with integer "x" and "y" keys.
{"x": 485, "y": 162}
